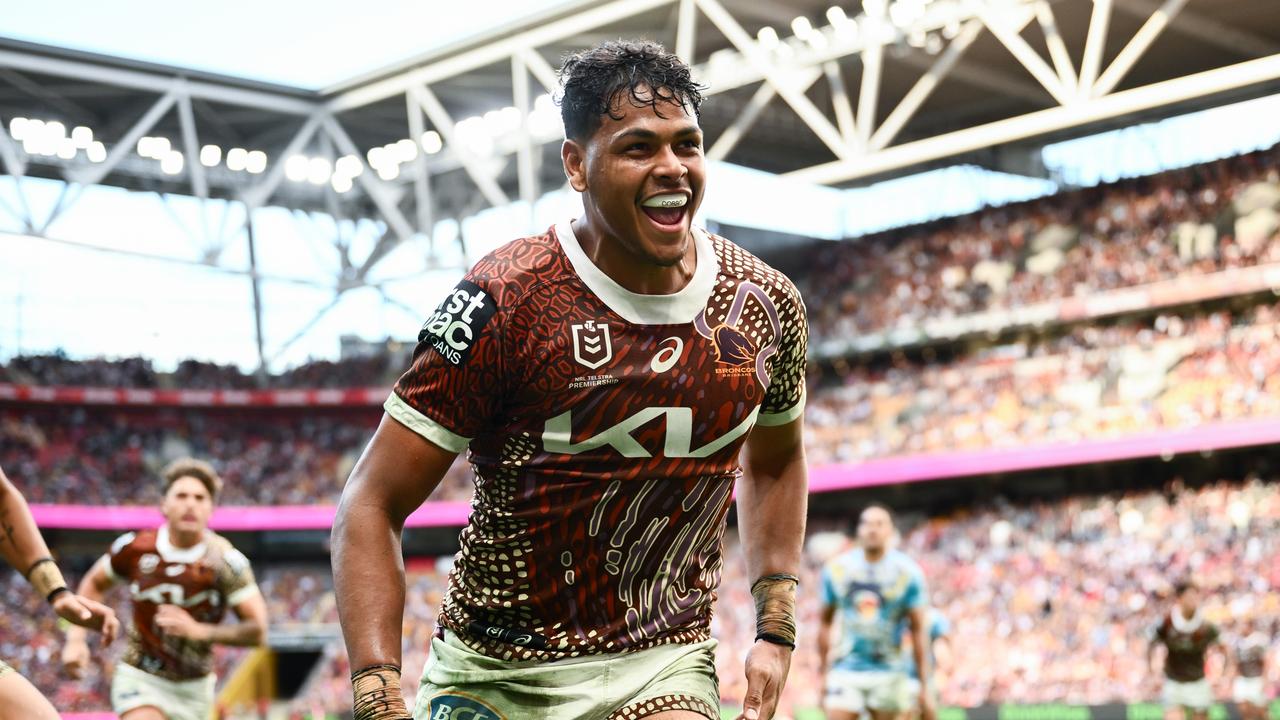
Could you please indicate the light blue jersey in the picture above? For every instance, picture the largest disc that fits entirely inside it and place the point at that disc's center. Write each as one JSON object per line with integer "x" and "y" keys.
{"x": 937, "y": 627}
{"x": 871, "y": 600}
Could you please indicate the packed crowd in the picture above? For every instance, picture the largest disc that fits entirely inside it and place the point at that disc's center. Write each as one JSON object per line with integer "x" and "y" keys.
{"x": 1188, "y": 221}
{"x": 57, "y": 369}
{"x": 1050, "y": 602}
{"x": 1092, "y": 382}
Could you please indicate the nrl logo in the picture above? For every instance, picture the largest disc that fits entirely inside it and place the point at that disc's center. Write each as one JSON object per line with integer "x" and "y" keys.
{"x": 592, "y": 346}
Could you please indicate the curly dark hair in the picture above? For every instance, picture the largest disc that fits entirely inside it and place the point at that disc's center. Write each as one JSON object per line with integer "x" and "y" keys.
{"x": 592, "y": 80}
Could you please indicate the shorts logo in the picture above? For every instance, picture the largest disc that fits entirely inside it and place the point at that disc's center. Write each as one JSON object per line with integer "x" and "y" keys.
{"x": 453, "y": 328}
{"x": 452, "y": 706}
{"x": 592, "y": 345}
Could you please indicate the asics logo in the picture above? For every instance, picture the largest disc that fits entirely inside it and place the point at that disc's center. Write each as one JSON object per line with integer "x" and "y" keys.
{"x": 667, "y": 357}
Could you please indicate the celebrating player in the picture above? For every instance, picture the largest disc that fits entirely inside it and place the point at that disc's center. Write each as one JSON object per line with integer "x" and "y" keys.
{"x": 1250, "y": 655}
{"x": 873, "y": 588}
{"x": 1187, "y": 637}
{"x": 604, "y": 375}
{"x": 23, "y": 548}
{"x": 182, "y": 578}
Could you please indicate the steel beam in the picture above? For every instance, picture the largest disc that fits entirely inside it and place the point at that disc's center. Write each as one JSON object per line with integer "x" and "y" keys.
{"x": 445, "y": 126}
{"x": 257, "y": 195}
{"x": 1057, "y": 48}
{"x": 1137, "y": 46}
{"x": 126, "y": 145}
{"x": 13, "y": 158}
{"x": 526, "y": 173}
{"x": 686, "y": 30}
{"x": 1022, "y": 52}
{"x": 810, "y": 114}
{"x": 421, "y": 178}
{"x": 751, "y": 112}
{"x": 1204, "y": 28}
{"x": 1094, "y": 44}
{"x": 920, "y": 92}
{"x": 377, "y": 190}
{"x": 1126, "y": 102}
{"x": 840, "y": 102}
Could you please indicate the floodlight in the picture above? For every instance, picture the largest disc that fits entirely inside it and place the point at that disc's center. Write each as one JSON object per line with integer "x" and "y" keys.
{"x": 210, "y": 155}
{"x": 297, "y": 167}
{"x": 82, "y": 136}
{"x": 255, "y": 162}
{"x": 171, "y": 163}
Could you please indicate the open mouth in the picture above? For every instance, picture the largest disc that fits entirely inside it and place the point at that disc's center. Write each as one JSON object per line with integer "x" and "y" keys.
{"x": 666, "y": 211}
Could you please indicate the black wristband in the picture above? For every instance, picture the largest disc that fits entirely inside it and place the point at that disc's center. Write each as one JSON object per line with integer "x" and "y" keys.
{"x": 54, "y": 593}
{"x": 37, "y": 564}
{"x": 776, "y": 640}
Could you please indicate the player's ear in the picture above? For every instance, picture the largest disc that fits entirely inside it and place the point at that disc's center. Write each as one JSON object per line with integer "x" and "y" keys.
{"x": 574, "y": 156}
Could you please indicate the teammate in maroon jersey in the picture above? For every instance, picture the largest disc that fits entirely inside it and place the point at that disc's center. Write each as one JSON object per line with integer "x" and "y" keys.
{"x": 24, "y": 549}
{"x": 1249, "y": 653}
{"x": 604, "y": 376}
{"x": 1187, "y": 638}
{"x": 182, "y": 578}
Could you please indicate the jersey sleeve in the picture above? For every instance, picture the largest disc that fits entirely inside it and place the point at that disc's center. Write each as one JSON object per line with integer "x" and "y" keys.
{"x": 236, "y": 581}
{"x": 122, "y": 557}
{"x": 784, "y": 400}
{"x": 453, "y": 388}
{"x": 917, "y": 594}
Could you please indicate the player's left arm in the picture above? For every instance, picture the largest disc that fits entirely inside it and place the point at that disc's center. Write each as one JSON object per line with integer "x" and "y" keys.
{"x": 918, "y": 619}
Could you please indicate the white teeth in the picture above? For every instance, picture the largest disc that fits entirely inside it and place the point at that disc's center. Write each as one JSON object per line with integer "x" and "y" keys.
{"x": 666, "y": 201}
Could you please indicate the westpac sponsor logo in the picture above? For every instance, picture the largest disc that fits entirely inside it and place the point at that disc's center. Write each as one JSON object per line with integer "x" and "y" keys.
{"x": 592, "y": 344}
{"x": 453, "y": 328}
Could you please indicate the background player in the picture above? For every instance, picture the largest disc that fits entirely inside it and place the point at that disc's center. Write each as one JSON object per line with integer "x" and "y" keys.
{"x": 24, "y": 548}
{"x": 1187, "y": 638}
{"x": 1249, "y": 652}
{"x": 181, "y": 578}
{"x": 872, "y": 589}
{"x": 938, "y": 631}
{"x": 605, "y": 376}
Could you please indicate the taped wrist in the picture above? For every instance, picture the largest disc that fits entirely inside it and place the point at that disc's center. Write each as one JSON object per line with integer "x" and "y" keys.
{"x": 775, "y": 597}
{"x": 377, "y": 694}
{"x": 45, "y": 577}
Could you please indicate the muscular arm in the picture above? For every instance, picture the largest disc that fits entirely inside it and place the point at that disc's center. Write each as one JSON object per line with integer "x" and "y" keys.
{"x": 251, "y": 631}
{"x": 825, "y": 618}
{"x": 920, "y": 640}
{"x": 396, "y": 473}
{"x": 772, "y": 500}
{"x": 94, "y": 586}
{"x": 20, "y": 540}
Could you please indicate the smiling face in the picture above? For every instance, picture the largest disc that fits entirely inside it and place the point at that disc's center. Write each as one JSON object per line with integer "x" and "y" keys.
{"x": 187, "y": 506}
{"x": 641, "y": 174}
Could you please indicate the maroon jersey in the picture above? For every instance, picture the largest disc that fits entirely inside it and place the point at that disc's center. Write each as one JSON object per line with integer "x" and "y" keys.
{"x": 204, "y": 580}
{"x": 1186, "y": 642}
{"x": 604, "y": 428}
{"x": 1251, "y": 655}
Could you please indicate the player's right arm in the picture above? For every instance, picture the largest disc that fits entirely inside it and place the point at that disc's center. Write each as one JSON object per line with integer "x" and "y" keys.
{"x": 826, "y": 618}
{"x": 93, "y": 586}
{"x": 23, "y": 547}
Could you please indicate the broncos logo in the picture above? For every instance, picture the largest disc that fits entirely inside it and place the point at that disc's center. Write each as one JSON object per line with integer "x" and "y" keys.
{"x": 732, "y": 347}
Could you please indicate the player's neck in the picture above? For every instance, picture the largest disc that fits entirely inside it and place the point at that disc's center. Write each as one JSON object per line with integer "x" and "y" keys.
{"x": 624, "y": 267}
{"x": 184, "y": 539}
{"x": 874, "y": 554}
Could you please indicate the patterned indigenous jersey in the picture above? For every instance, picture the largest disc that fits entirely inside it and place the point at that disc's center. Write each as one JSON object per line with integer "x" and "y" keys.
{"x": 204, "y": 580}
{"x": 604, "y": 428}
{"x": 937, "y": 627}
{"x": 1251, "y": 655}
{"x": 1187, "y": 640}
{"x": 871, "y": 602}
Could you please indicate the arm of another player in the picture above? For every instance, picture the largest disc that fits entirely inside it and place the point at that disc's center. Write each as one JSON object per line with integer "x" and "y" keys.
{"x": 23, "y": 547}
{"x": 918, "y": 619}
{"x": 772, "y": 503}
{"x": 826, "y": 617}
{"x": 251, "y": 631}
{"x": 396, "y": 473}
{"x": 93, "y": 587}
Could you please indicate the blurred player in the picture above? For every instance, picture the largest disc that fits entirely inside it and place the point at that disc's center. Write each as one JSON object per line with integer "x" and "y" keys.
{"x": 1187, "y": 638}
{"x": 872, "y": 589}
{"x": 1250, "y": 656}
{"x": 23, "y": 548}
{"x": 605, "y": 376}
{"x": 938, "y": 631}
{"x": 182, "y": 578}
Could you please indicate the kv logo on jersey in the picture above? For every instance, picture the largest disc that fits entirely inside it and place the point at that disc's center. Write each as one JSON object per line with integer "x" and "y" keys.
{"x": 455, "y": 325}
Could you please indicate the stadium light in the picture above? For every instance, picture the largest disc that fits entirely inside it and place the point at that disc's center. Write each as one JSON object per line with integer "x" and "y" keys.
{"x": 171, "y": 163}
{"x": 255, "y": 162}
{"x": 82, "y": 137}
{"x": 342, "y": 183}
{"x": 767, "y": 37}
{"x": 210, "y": 155}
{"x": 377, "y": 157}
{"x": 237, "y": 158}
{"x": 297, "y": 167}
{"x": 348, "y": 166}
{"x": 18, "y": 128}
{"x": 431, "y": 142}
{"x": 801, "y": 27}
{"x": 96, "y": 152}
{"x": 405, "y": 150}
{"x": 67, "y": 149}
{"x": 55, "y": 129}
{"x": 319, "y": 170}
